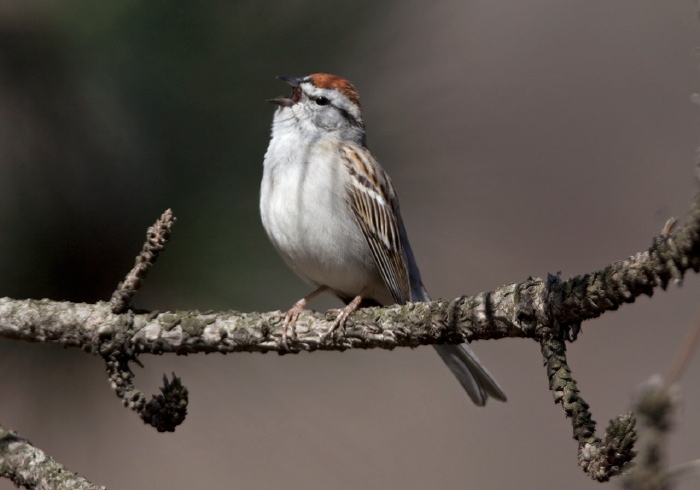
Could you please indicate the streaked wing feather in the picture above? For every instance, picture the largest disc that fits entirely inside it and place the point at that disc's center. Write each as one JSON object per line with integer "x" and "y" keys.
{"x": 376, "y": 208}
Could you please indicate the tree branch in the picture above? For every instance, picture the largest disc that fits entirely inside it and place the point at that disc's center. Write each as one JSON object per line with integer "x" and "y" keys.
{"x": 30, "y": 467}
{"x": 530, "y": 309}
{"x": 549, "y": 311}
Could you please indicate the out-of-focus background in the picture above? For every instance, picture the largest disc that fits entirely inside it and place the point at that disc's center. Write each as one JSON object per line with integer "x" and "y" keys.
{"x": 524, "y": 138}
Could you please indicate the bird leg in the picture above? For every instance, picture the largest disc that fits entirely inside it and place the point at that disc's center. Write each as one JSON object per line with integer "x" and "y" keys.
{"x": 290, "y": 319}
{"x": 344, "y": 313}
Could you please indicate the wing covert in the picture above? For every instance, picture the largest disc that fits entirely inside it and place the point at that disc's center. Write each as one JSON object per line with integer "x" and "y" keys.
{"x": 374, "y": 203}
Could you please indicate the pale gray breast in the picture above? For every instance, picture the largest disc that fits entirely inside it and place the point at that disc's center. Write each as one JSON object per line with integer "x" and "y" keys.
{"x": 307, "y": 217}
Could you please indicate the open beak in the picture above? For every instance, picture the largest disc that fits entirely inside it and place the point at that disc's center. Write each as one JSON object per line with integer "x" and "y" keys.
{"x": 296, "y": 93}
{"x": 293, "y": 81}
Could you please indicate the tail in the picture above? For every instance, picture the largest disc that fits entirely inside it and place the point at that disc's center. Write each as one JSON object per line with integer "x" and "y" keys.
{"x": 463, "y": 363}
{"x": 471, "y": 374}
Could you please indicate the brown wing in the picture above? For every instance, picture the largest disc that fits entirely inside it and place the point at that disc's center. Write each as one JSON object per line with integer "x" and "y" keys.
{"x": 374, "y": 202}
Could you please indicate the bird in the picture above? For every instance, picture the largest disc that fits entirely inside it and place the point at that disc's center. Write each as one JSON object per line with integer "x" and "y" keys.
{"x": 332, "y": 213}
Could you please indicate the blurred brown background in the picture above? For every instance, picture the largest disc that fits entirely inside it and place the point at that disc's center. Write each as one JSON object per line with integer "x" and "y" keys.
{"x": 523, "y": 137}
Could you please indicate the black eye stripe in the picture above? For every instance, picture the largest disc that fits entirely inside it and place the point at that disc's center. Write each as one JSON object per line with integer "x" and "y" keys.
{"x": 321, "y": 100}
{"x": 349, "y": 117}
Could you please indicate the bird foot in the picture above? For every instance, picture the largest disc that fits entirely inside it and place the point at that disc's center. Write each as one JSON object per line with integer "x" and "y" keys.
{"x": 343, "y": 315}
{"x": 290, "y": 321}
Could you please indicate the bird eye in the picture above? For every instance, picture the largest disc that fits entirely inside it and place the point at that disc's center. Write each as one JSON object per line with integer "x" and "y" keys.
{"x": 322, "y": 101}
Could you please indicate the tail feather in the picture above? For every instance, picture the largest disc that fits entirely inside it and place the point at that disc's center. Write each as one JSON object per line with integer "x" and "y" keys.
{"x": 478, "y": 382}
{"x": 472, "y": 375}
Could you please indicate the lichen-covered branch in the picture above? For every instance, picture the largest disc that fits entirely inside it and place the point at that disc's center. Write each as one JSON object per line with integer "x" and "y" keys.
{"x": 601, "y": 459}
{"x": 95, "y": 329}
{"x": 524, "y": 309}
{"x": 549, "y": 311}
{"x": 29, "y": 467}
{"x": 156, "y": 238}
{"x": 164, "y": 411}
{"x": 668, "y": 259}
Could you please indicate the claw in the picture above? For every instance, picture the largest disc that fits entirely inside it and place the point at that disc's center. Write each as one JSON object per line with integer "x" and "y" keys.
{"x": 343, "y": 315}
{"x": 290, "y": 319}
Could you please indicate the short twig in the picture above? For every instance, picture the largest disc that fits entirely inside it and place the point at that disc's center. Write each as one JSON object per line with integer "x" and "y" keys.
{"x": 165, "y": 411}
{"x": 156, "y": 238}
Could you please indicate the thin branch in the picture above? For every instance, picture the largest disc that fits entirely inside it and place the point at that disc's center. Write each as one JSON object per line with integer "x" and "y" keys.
{"x": 156, "y": 238}
{"x": 600, "y": 458}
{"x": 691, "y": 468}
{"x": 668, "y": 259}
{"x": 656, "y": 402}
{"x": 30, "y": 467}
{"x": 655, "y": 405}
{"x": 167, "y": 410}
{"x": 685, "y": 353}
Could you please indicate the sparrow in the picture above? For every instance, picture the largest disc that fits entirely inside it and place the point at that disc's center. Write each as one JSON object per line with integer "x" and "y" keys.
{"x": 331, "y": 211}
